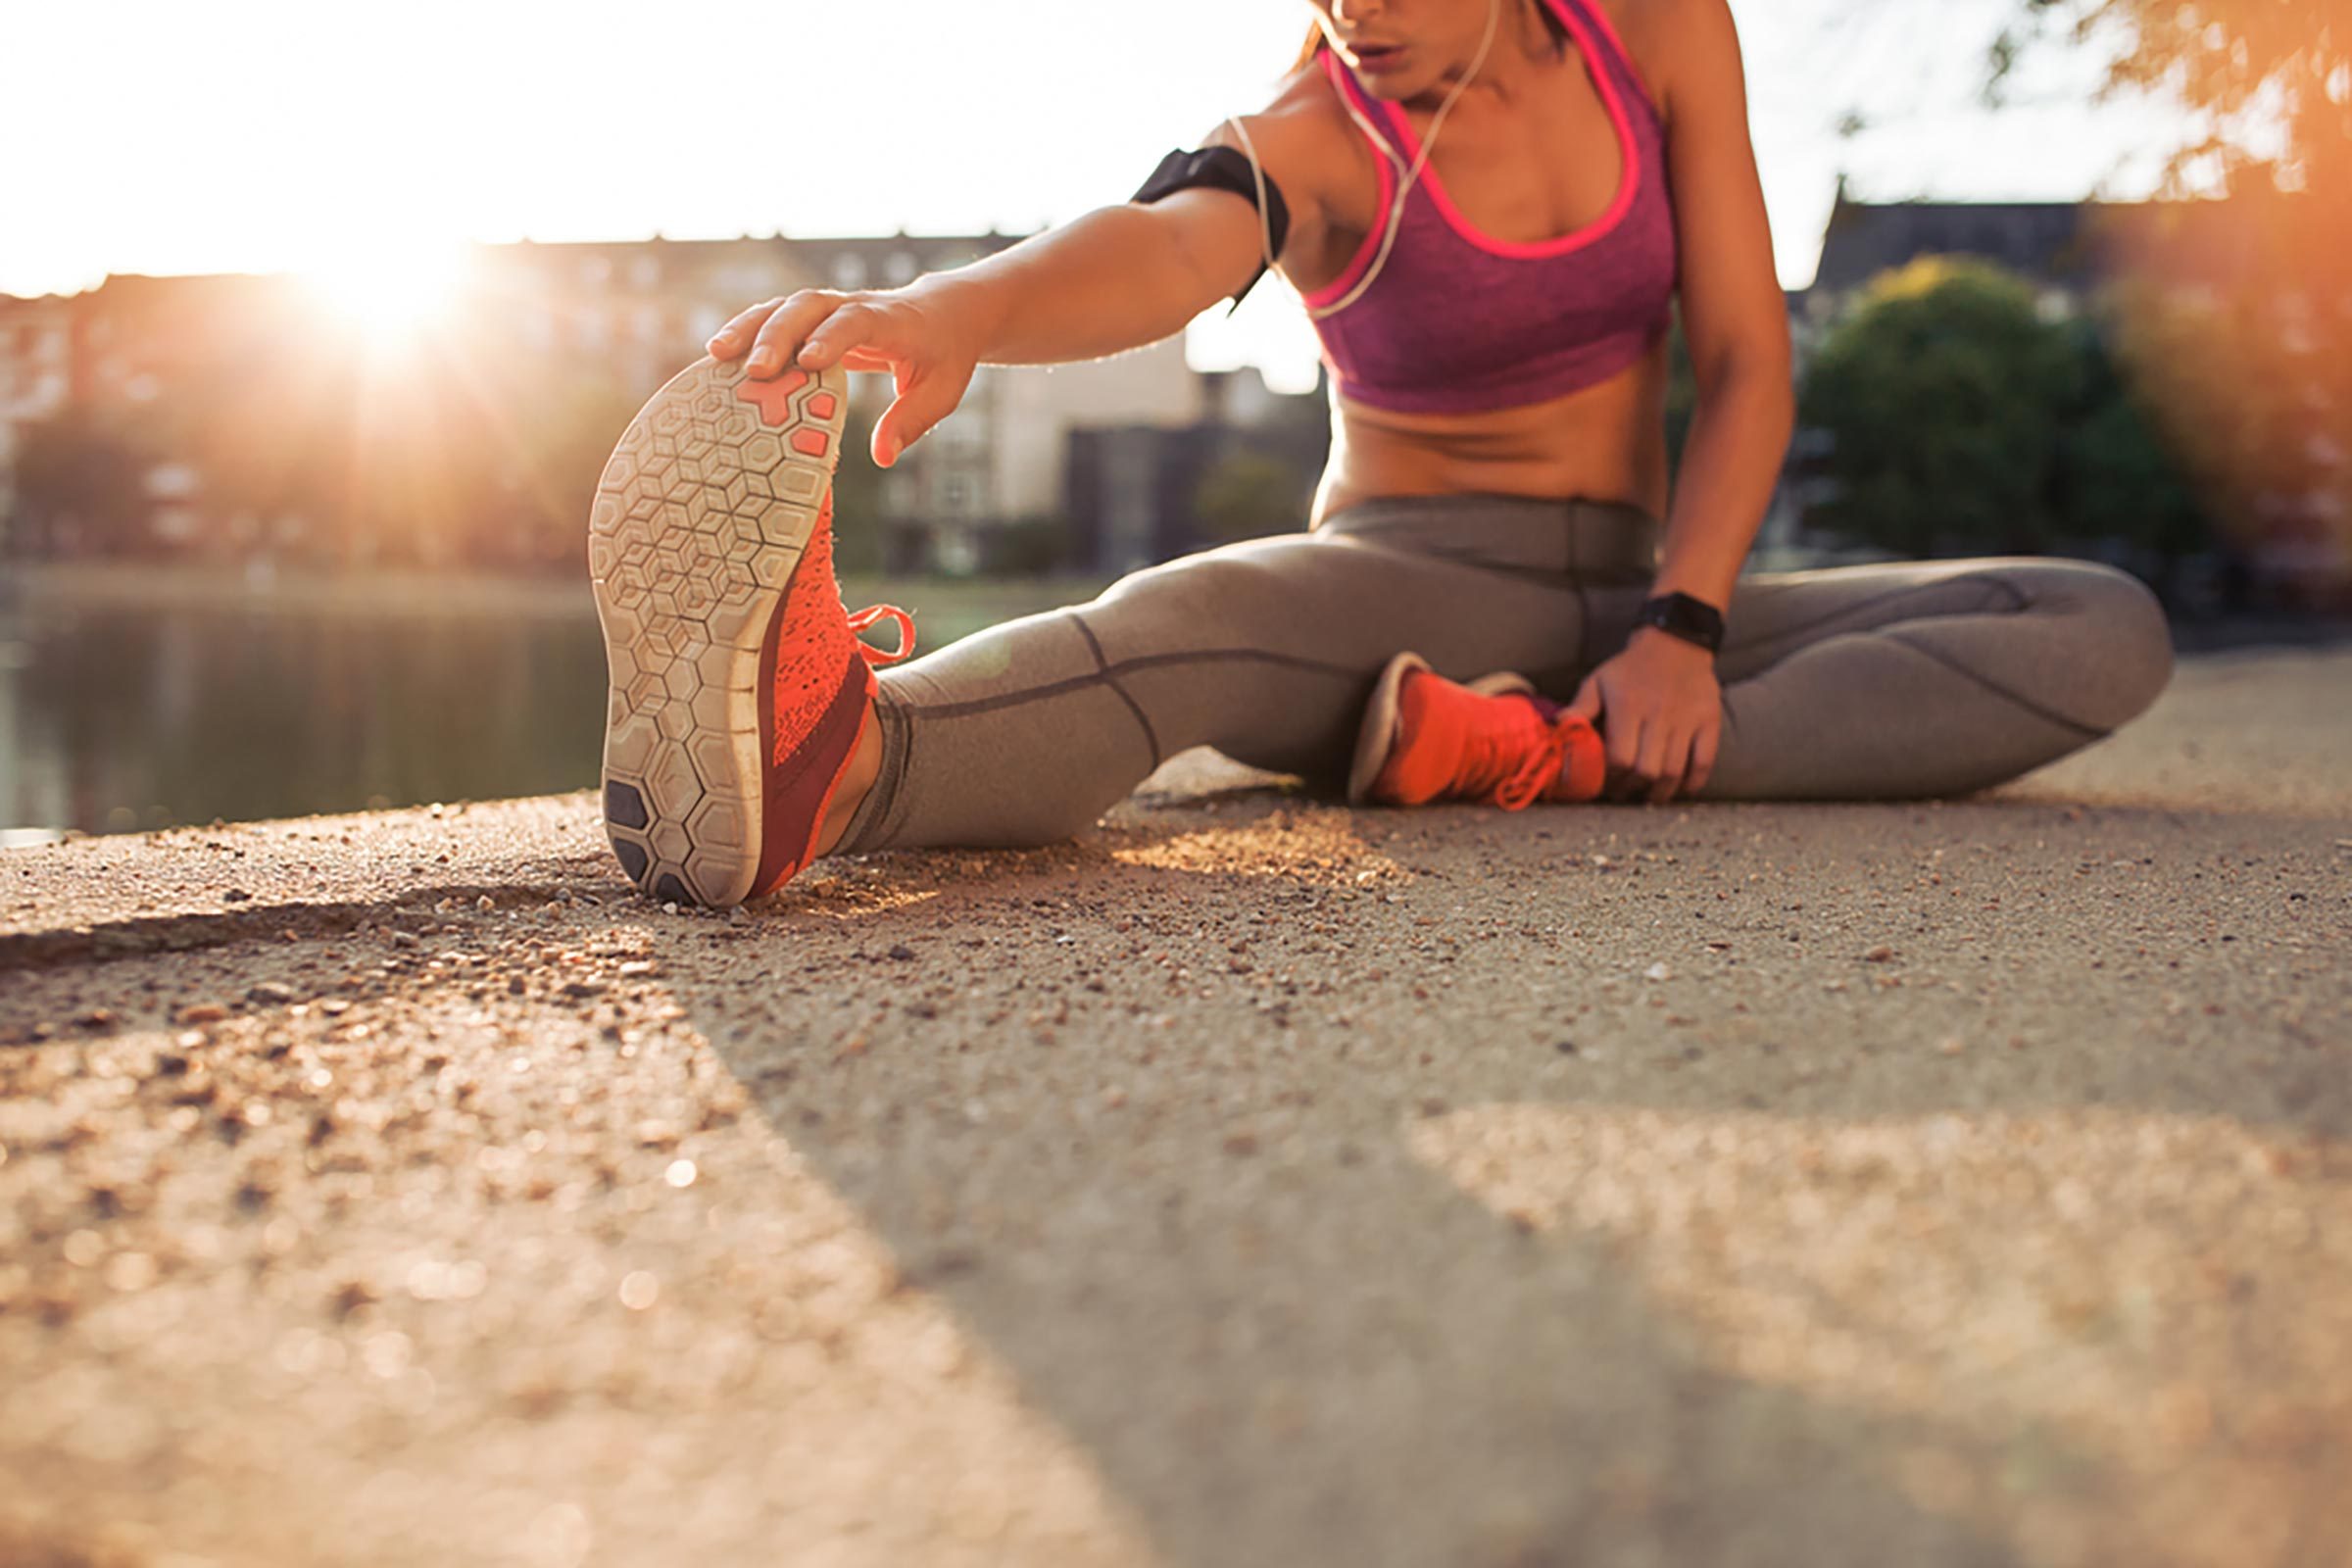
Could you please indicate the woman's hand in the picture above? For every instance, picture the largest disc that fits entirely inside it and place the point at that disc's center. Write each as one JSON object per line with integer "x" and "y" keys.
{"x": 904, "y": 331}
{"x": 1664, "y": 716}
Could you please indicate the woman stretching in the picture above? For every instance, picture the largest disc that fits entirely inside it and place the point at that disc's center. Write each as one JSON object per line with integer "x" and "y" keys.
{"x": 1495, "y": 599}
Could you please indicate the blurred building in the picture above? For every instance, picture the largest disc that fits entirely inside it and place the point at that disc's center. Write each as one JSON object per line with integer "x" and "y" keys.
{"x": 37, "y": 357}
{"x": 996, "y": 464}
{"x": 241, "y": 418}
{"x": 616, "y": 318}
{"x": 1247, "y": 466}
{"x": 2046, "y": 242}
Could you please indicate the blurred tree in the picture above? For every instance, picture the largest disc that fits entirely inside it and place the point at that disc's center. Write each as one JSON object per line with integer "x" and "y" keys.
{"x": 548, "y": 465}
{"x": 2232, "y": 317}
{"x": 1943, "y": 394}
{"x": 2266, "y": 79}
{"x": 2114, "y": 477}
{"x": 860, "y": 535}
{"x": 1244, "y": 495}
{"x": 82, "y": 486}
{"x": 259, "y": 434}
{"x": 1030, "y": 547}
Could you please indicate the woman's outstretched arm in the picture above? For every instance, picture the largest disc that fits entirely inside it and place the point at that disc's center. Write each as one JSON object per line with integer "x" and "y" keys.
{"x": 1113, "y": 279}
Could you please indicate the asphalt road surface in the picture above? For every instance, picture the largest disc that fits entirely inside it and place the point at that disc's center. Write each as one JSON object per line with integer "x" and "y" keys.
{"x": 1254, "y": 1182}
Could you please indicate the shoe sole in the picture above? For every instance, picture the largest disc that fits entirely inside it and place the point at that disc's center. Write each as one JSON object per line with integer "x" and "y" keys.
{"x": 699, "y": 520}
{"x": 1379, "y": 730}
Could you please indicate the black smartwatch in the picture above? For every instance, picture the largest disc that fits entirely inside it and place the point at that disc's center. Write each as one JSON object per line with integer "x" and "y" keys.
{"x": 1693, "y": 621}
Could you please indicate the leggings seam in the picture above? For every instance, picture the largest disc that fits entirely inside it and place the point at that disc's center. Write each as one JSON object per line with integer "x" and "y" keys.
{"x": 1103, "y": 668}
{"x": 2024, "y": 601}
{"x": 895, "y": 822}
{"x": 2051, "y": 715}
{"x": 1547, "y": 576}
{"x": 1110, "y": 673}
{"x": 1583, "y": 606}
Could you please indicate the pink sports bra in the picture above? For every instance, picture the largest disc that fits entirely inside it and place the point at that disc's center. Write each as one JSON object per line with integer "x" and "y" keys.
{"x": 1458, "y": 321}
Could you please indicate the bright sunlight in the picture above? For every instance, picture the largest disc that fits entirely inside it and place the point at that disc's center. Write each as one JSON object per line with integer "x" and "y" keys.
{"x": 391, "y": 295}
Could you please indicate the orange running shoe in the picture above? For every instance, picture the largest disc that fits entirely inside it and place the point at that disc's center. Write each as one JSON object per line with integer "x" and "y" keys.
{"x": 1426, "y": 738}
{"x": 739, "y": 685}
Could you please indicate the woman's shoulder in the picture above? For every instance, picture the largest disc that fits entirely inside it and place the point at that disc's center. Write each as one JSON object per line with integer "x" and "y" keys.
{"x": 1307, "y": 106}
{"x": 1685, "y": 49}
{"x": 1645, "y": 31}
{"x": 1305, "y": 135}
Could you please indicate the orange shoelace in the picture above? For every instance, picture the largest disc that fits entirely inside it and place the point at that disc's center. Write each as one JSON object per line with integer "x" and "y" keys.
{"x": 873, "y": 613}
{"x": 1498, "y": 765}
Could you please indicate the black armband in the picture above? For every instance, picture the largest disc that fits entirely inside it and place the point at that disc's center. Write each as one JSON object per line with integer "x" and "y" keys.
{"x": 1220, "y": 169}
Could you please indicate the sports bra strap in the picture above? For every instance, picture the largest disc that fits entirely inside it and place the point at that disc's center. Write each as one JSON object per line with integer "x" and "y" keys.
{"x": 1588, "y": 18}
{"x": 1362, "y": 109}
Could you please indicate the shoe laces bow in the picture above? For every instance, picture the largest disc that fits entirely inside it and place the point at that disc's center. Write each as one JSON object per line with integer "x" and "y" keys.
{"x": 873, "y": 613}
{"x": 1502, "y": 765}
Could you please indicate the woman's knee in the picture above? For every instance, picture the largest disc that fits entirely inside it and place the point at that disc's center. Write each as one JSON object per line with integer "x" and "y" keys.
{"x": 1215, "y": 598}
{"x": 2128, "y": 638}
{"x": 2097, "y": 648}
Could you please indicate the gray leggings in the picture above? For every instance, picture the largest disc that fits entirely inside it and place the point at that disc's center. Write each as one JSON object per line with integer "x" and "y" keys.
{"x": 1901, "y": 680}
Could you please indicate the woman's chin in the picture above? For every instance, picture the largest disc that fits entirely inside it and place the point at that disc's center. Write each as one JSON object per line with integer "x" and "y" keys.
{"x": 1390, "y": 89}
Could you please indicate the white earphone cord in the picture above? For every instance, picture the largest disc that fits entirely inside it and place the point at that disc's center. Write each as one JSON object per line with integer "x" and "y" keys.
{"x": 1257, "y": 173}
{"x": 1404, "y": 186}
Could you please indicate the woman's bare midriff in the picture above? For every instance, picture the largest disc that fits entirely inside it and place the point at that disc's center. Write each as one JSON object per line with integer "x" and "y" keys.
{"x": 1602, "y": 443}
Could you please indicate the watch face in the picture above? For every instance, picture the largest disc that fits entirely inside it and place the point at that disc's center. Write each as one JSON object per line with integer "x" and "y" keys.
{"x": 1681, "y": 616}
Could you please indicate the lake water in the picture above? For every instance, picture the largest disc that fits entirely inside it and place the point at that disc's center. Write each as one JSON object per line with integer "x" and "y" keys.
{"x": 141, "y": 698}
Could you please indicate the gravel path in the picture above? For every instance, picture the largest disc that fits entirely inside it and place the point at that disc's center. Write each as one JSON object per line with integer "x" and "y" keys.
{"x": 1257, "y": 1181}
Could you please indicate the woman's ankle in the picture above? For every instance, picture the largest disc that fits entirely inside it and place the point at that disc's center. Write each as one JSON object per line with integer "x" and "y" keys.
{"x": 856, "y": 782}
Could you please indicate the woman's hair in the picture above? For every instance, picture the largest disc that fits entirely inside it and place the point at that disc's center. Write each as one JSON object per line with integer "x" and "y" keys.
{"x": 1315, "y": 44}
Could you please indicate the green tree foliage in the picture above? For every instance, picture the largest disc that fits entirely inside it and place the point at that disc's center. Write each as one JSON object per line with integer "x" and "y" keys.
{"x": 1965, "y": 424}
{"x": 2234, "y": 316}
{"x": 2116, "y": 479}
{"x": 1942, "y": 392}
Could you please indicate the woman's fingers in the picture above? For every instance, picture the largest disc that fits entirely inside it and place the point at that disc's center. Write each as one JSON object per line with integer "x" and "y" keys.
{"x": 1669, "y": 782}
{"x": 730, "y": 339}
{"x": 1659, "y": 767}
{"x": 856, "y": 325}
{"x": 779, "y": 339}
{"x": 817, "y": 329}
{"x": 928, "y": 394}
{"x": 1622, "y": 749}
{"x": 1586, "y": 702}
{"x": 1702, "y": 759}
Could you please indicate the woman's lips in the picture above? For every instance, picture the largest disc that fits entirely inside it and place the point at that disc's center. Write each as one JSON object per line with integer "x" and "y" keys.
{"x": 1378, "y": 56}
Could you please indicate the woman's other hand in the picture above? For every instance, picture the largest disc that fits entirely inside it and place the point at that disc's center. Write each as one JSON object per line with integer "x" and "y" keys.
{"x": 1660, "y": 714}
{"x": 905, "y": 331}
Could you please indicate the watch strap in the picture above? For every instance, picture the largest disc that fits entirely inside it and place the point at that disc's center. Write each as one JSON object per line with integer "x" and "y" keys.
{"x": 1680, "y": 614}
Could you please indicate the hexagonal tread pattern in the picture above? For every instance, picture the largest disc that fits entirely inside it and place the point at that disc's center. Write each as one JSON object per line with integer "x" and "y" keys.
{"x": 698, "y": 519}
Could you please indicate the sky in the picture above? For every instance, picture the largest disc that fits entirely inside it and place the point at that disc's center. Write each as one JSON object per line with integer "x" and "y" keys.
{"x": 261, "y": 135}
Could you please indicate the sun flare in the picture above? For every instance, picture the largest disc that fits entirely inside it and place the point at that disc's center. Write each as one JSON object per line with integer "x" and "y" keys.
{"x": 391, "y": 295}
